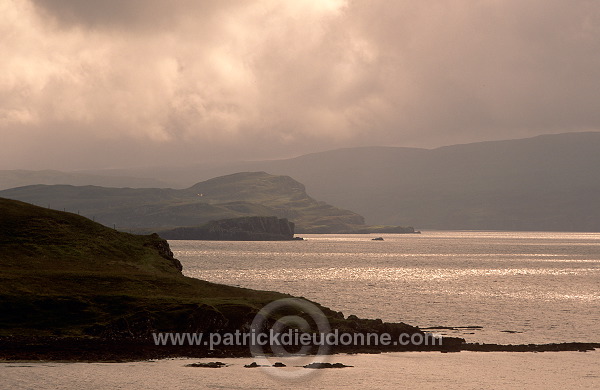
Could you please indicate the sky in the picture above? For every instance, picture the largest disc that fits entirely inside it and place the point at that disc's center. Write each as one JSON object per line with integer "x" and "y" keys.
{"x": 125, "y": 83}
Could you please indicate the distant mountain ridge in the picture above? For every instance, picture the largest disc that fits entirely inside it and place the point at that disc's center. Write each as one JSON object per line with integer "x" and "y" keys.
{"x": 236, "y": 195}
{"x": 548, "y": 182}
{"x": 21, "y": 177}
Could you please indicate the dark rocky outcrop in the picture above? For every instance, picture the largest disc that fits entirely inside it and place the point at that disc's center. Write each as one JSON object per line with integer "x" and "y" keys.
{"x": 552, "y": 347}
{"x": 254, "y": 365}
{"x": 163, "y": 249}
{"x": 208, "y": 365}
{"x": 236, "y": 229}
{"x": 318, "y": 365}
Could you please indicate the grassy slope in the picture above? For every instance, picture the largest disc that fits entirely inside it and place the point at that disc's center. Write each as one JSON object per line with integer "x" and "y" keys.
{"x": 237, "y": 195}
{"x": 61, "y": 274}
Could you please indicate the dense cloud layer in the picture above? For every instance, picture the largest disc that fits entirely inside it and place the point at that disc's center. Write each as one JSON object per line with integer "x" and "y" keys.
{"x": 134, "y": 82}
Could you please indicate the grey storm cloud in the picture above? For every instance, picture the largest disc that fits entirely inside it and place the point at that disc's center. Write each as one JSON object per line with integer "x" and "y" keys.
{"x": 132, "y": 82}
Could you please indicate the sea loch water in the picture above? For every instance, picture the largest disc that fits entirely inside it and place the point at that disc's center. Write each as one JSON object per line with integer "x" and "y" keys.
{"x": 518, "y": 287}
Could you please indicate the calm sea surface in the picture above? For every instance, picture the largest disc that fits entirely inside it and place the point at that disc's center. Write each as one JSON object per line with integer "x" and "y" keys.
{"x": 518, "y": 287}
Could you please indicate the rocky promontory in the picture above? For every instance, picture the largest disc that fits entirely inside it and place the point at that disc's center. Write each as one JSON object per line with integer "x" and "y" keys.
{"x": 73, "y": 289}
{"x": 236, "y": 229}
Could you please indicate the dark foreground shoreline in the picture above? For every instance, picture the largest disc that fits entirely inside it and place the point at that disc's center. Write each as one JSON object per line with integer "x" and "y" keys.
{"x": 94, "y": 350}
{"x": 76, "y": 291}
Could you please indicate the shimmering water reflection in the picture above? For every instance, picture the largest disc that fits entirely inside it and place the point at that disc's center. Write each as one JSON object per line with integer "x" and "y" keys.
{"x": 521, "y": 287}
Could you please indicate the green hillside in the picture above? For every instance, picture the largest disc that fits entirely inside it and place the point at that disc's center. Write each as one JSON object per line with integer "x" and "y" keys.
{"x": 63, "y": 274}
{"x": 236, "y": 195}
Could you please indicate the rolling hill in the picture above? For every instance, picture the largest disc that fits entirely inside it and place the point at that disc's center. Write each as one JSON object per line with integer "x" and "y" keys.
{"x": 548, "y": 183}
{"x": 237, "y": 195}
{"x": 543, "y": 183}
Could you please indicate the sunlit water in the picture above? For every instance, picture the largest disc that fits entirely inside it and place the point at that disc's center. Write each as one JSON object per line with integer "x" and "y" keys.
{"x": 519, "y": 287}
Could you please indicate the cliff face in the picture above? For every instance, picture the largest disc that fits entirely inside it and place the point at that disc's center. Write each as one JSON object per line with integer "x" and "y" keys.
{"x": 163, "y": 249}
{"x": 236, "y": 229}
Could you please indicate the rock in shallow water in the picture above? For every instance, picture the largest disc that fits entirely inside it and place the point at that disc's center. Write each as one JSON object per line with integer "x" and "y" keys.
{"x": 208, "y": 365}
{"x": 326, "y": 365}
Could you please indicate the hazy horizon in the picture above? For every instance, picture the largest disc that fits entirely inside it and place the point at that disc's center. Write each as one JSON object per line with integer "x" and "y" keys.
{"x": 130, "y": 169}
{"x": 117, "y": 84}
